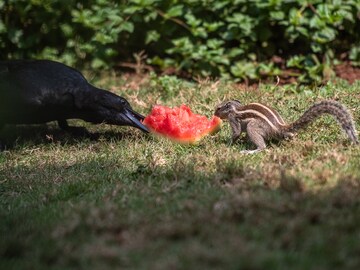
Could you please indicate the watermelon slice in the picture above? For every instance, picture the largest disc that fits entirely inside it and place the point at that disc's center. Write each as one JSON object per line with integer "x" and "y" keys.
{"x": 180, "y": 123}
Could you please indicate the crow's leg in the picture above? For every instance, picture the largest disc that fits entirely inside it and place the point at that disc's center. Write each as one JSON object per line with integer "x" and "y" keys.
{"x": 63, "y": 124}
{"x": 77, "y": 131}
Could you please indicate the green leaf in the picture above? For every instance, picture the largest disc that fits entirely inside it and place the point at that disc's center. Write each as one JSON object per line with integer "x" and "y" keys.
{"x": 127, "y": 26}
{"x": 151, "y": 16}
{"x": 211, "y": 27}
{"x": 2, "y": 27}
{"x": 98, "y": 63}
{"x": 244, "y": 69}
{"x": 175, "y": 11}
{"x": 277, "y": 15}
{"x": 132, "y": 9}
{"x": 316, "y": 47}
{"x": 354, "y": 55}
{"x": 191, "y": 20}
{"x": 296, "y": 61}
{"x": 214, "y": 43}
{"x": 67, "y": 29}
{"x": 234, "y": 52}
{"x": 325, "y": 35}
{"x": 152, "y": 36}
{"x": 15, "y": 35}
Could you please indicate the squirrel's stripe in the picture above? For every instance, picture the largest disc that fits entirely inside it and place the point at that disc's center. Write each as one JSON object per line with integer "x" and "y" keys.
{"x": 253, "y": 113}
{"x": 274, "y": 113}
{"x": 265, "y": 113}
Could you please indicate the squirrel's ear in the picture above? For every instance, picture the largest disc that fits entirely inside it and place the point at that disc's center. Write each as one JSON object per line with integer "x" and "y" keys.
{"x": 237, "y": 101}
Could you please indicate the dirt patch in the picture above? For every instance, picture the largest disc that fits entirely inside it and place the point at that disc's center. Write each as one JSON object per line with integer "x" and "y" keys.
{"x": 347, "y": 72}
{"x": 137, "y": 77}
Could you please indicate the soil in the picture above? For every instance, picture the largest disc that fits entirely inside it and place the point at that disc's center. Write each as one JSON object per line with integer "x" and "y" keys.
{"x": 344, "y": 71}
{"x": 347, "y": 72}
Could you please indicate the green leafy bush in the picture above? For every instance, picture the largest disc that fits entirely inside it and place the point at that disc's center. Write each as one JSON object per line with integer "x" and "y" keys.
{"x": 229, "y": 38}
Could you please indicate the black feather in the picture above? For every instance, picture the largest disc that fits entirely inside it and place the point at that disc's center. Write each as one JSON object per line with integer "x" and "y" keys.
{"x": 39, "y": 91}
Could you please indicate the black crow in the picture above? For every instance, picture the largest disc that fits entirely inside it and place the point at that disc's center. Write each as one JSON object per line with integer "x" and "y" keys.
{"x": 39, "y": 91}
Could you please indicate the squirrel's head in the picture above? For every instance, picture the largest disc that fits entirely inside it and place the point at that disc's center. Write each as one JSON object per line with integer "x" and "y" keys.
{"x": 227, "y": 107}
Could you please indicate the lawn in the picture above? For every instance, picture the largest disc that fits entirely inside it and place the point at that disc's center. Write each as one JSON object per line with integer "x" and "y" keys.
{"x": 127, "y": 200}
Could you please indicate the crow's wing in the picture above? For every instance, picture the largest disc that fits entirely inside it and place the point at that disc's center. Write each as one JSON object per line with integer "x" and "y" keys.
{"x": 40, "y": 82}
{"x": 39, "y": 91}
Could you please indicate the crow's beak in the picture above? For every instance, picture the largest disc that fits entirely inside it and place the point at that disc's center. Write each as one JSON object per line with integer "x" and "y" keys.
{"x": 134, "y": 119}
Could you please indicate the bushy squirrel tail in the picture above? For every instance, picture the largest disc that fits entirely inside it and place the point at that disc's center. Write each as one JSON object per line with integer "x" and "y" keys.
{"x": 334, "y": 108}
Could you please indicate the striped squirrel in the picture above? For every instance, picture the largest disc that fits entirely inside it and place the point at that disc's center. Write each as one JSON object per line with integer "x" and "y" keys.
{"x": 262, "y": 123}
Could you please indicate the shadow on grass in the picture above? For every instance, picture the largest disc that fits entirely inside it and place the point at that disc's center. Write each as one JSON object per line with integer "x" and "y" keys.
{"x": 23, "y": 135}
{"x": 100, "y": 214}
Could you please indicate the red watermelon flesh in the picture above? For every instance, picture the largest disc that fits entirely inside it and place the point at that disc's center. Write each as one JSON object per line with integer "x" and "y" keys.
{"x": 180, "y": 123}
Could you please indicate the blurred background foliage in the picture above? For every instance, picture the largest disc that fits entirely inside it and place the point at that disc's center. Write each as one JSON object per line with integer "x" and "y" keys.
{"x": 228, "y": 38}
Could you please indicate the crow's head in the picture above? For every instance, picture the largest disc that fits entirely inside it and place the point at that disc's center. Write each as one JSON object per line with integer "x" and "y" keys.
{"x": 116, "y": 110}
{"x": 133, "y": 118}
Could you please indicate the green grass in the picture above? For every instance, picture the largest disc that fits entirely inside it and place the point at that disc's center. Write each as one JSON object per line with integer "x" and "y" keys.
{"x": 132, "y": 201}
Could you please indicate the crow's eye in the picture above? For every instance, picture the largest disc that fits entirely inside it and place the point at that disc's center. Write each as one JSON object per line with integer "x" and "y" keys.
{"x": 124, "y": 102}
